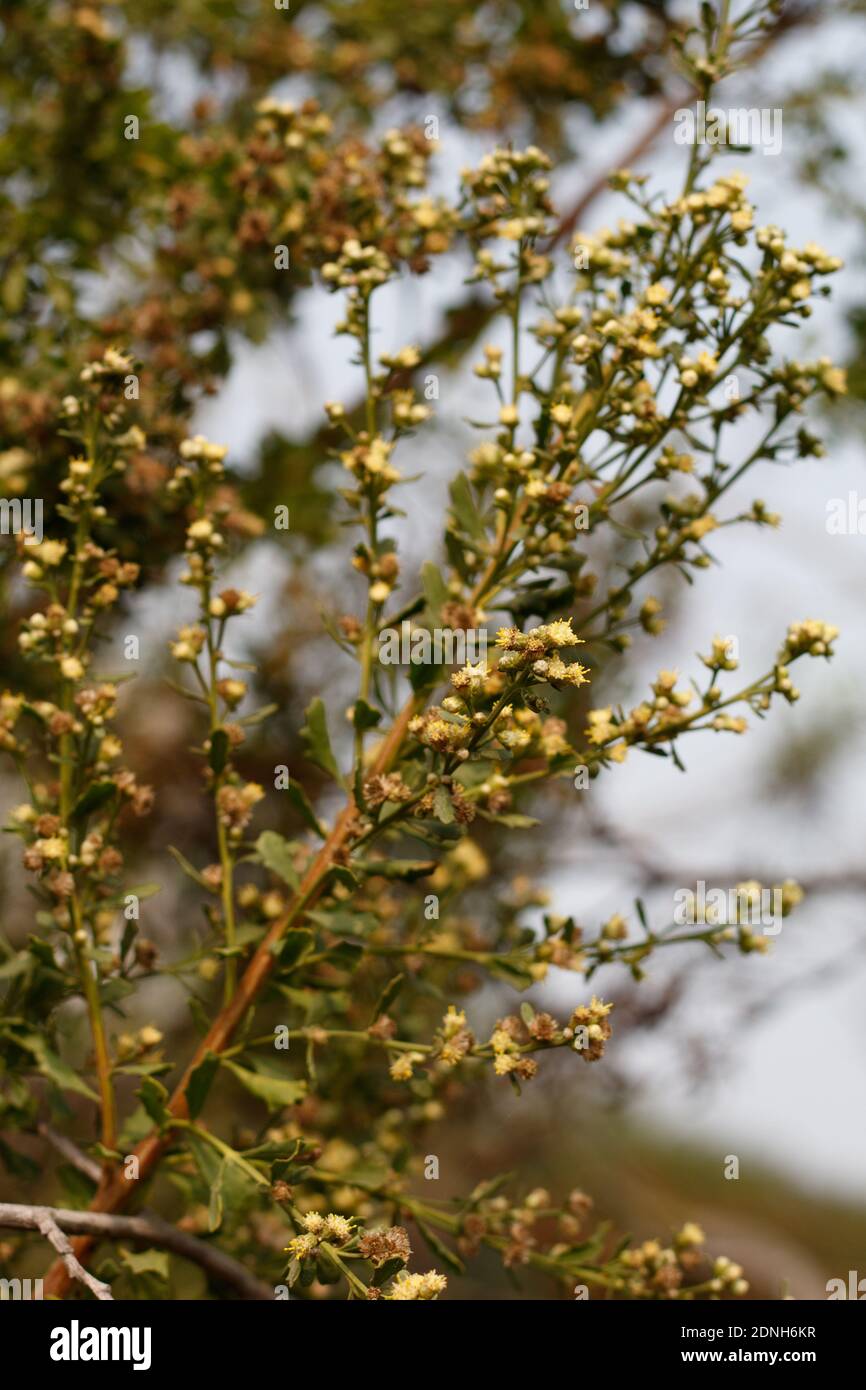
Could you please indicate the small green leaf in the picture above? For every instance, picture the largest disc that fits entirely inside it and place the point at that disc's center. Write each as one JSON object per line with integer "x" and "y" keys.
{"x": 435, "y": 592}
{"x": 189, "y": 869}
{"x": 219, "y": 749}
{"x": 442, "y": 805}
{"x": 258, "y": 716}
{"x": 95, "y": 797}
{"x": 298, "y": 797}
{"x": 146, "y": 1262}
{"x": 276, "y": 854}
{"x": 200, "y": 1083}
{"x": 296, "y": 944}
{"x": 439, "y": 1248}
{"x": 406, "y": 869}
{"x": 314, "y": 736}
{"x": 513, "y": 820}
{"x": 364, "y": 716}
{"x": 388, "y": 995}
{"x": 154, "y": 1098}
{"x": 464, "y": 508}
{"x": 215, "y": 1205}
{"x": 50, "y": 1064}
{"x": 512, "y": 971}
{"x": 276, "y": 1093}
{"x": 386, "y": 1272}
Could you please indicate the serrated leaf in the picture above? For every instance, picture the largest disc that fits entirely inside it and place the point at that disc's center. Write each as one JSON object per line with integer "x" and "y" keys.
{"x": 316, "y": 740}
{"x": 276, "y": 854}
{"x": 50, "y": 1065}
{"x": 443, "y": 805}
{"x": 153, "y": 1262}
{"x": 276, "y": 1093}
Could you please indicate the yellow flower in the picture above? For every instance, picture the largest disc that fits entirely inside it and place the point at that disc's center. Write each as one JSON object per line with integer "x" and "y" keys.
{"x": 49, "y": 552}
{"x": 337, "y": 1227}
{"x": 657, "y": 293}
{"x": 301, "y": 1246}
{"x": 417, "y": 1286}
{"x": 834, "y": 380}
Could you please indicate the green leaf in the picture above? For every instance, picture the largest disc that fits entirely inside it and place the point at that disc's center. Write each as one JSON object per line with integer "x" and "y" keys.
{"x": 276, "y": 854}
{"x": 464, "y": 508}
{"x": 364, "y": 716}
{"x": 19, "y": 964}
{"x": 200, "y": 1019}
{"x": 50, "y": 1064}
{"x": 514, "y": 820}
{"x": 346, "y": 955}
{"x": 435, "y": 592}
{"x": 388, "y": 995}
{"x": 146, "y": 1262}
{"x": 406, "y": 869}
{"x": 298, "y": 797}
{"x": 314, "y": 736}
{"x": 442, "y": 805}
{"x": 258, "y": 716}
{"x": 215, "y": 1205}
{"x": 512, "y": 971}
{"x": 219, "y": 749}
{"x": 95, "y": 797}
{"x": 439, "y": 1248}
{"x": 386, "y": 1272}
{"x": 276, "y": 1093}
{"x": 297, "y": 943}
{"x": 200, "y": 1083}
{"x": 154, "y": 1098}
{"x": 340, "y": 873}
{"x": 189, "y": 869}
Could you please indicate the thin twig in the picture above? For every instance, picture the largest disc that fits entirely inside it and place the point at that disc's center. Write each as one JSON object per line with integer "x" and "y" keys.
{"x": 47, "y": 1220}
{"x": 151, "y": 1227}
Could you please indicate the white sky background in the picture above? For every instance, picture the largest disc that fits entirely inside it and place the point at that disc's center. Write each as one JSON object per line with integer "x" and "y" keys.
{"x": 795, "y": 1091}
